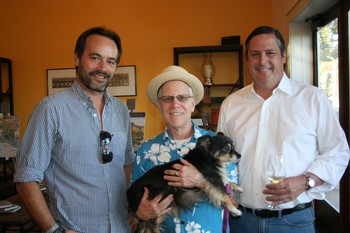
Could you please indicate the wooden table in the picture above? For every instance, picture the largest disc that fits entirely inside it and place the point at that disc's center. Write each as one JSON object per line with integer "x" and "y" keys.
{"x": 20, "y": 220}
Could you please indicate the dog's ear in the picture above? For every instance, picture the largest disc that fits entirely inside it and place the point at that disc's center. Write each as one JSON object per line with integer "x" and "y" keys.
{"x": 204, "y": 140}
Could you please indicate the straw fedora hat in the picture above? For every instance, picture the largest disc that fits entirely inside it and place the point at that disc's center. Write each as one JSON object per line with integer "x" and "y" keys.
{"x": 174, "y": 73}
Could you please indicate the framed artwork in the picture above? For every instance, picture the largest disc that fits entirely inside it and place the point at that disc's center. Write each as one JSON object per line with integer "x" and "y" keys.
{"x": 137, "y": 128}
{"x": 9, "y": 135}
{"x": 59, "y": 79}
{"x": 123, "y": 82}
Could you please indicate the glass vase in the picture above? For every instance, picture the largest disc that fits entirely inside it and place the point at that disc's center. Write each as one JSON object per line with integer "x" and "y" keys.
{"x": 208, "y": 69}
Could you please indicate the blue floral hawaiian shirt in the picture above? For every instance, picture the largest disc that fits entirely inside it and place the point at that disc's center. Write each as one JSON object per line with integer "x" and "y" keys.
{"x": 203, "y": 217}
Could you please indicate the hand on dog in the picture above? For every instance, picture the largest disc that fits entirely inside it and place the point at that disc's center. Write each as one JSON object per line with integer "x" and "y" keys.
{"x": 287, "y": 190}
{"x": 149, "y": 209}
{"x": 185, "y": 175}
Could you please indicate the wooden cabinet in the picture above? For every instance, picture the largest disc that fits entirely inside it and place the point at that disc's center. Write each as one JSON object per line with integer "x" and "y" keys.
{"x": 234, "y": 49}
{"x": 228, "y": 60}
{"x": 6, "y": 90}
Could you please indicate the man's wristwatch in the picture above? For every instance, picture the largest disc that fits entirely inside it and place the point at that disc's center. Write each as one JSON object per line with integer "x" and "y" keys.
{"x": 56, "y": 229}
{"x": 310, "y": 183}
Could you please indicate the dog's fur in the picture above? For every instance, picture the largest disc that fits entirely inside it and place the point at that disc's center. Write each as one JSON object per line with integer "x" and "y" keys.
{"x": 210, "y": 156}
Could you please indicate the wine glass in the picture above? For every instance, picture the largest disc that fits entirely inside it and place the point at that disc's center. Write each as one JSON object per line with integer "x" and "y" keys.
{"x": 276, "y": 172}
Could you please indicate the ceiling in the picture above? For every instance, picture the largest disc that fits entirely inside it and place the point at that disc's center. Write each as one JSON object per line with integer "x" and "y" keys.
{"x": 315, "y": 7}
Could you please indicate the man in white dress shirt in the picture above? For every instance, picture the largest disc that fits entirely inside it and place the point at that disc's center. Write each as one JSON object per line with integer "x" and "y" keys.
{"x": 276, "y": 114}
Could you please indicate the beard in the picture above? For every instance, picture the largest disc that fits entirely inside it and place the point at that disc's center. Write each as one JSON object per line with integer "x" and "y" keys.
{"x": 88, "y": 80}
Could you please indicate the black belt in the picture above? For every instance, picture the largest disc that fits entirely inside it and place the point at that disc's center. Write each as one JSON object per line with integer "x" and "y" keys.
{"x": 263, "y": 213}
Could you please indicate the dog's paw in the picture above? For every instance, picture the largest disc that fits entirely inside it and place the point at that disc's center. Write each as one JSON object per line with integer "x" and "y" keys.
{"x": 236, "y": 212}
{"x": 239, "y": 189}
{"x": 235, "y": 187}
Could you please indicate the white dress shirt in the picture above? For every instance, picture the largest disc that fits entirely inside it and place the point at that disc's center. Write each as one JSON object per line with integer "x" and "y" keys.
{"x": 297, "y": 121}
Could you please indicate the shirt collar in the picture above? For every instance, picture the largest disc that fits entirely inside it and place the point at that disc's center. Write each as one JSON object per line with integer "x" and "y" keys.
{"x": 285, "y": 86}
{"x": 195, "y": 136}
{"x": 84, "y": 96}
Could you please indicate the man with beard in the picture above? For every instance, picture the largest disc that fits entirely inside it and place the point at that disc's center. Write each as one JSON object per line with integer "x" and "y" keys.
{"x": 79, "y": 142}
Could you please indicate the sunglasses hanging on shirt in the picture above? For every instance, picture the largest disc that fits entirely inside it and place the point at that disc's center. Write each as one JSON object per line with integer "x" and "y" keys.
{"x": 105, "y": 139}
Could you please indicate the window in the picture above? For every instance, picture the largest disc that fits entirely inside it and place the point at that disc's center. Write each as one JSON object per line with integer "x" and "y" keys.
{"x": 328, "y": 78}
{"x": 319, "y": 55}
{"x": 327, "y": 59}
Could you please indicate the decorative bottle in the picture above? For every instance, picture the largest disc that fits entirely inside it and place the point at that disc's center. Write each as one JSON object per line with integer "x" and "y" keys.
{"x": 208, "y": 69}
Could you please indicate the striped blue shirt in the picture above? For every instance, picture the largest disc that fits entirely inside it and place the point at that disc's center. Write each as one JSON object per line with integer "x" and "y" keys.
{"x": 204, "y": 217}
{"x": 61, "y": 145}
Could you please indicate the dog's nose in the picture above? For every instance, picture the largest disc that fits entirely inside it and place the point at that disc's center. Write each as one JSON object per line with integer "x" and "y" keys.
{"x": 238, "y": 155}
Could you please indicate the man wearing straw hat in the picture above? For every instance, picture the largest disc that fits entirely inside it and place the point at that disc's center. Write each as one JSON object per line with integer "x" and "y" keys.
{"x": 176, "y": 92}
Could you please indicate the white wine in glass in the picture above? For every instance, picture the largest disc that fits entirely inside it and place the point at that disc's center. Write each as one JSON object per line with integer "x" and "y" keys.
{"x": 276, "y": 179}
{"x": 276, "y": 172}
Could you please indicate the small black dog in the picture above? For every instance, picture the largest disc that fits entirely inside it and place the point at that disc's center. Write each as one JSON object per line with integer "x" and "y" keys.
{"x": 210, "y": 156}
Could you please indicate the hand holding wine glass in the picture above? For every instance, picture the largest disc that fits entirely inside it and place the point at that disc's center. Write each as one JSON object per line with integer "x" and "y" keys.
{"x": 276, "y": 172}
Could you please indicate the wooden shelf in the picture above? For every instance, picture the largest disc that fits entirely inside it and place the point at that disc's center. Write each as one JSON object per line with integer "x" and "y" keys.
{"x": 214, "y": 49}
{"x": 220, "y": 90}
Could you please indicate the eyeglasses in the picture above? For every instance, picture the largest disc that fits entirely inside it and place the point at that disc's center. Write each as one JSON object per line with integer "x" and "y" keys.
{"x": 168, "y": 98}
{"x": 106, "y": 138}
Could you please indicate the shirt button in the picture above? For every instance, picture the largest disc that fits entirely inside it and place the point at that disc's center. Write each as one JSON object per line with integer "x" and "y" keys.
{"x": 95, "y": 115}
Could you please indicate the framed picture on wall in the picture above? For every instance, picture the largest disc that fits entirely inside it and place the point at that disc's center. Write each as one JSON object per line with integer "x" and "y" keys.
{"x": 138, "y": 120}
{"x": 123, "y": 82}
{"x": 59, "y": 79}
